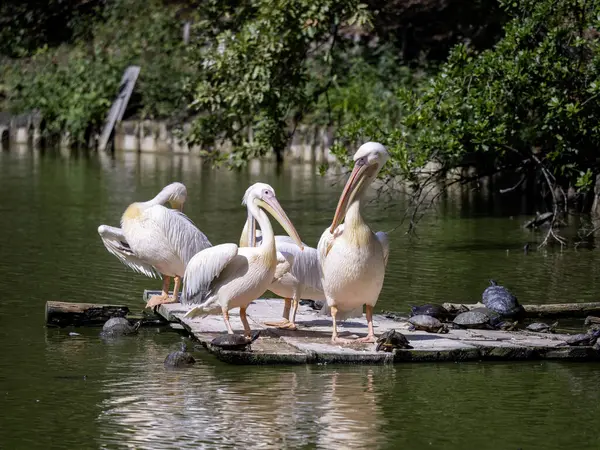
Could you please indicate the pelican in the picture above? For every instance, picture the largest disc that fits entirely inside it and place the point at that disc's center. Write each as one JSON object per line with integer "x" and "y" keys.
{"x": 227, "y": 276}
{"x": 156, "y": 241}
{"x": 352, "y": 257}
{"x": 301, "y": 281}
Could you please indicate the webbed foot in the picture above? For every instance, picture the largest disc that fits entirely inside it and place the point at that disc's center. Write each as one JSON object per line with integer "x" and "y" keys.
{"x": 284, "y": 325}
{"x": 156, "y": 300}
{"x": 339, "y": 340}
{"x": 370, "y": 338}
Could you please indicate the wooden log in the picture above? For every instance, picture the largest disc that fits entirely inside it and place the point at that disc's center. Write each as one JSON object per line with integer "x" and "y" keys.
{"x": 62, "y": 314}
{"x": 550, "y": 311}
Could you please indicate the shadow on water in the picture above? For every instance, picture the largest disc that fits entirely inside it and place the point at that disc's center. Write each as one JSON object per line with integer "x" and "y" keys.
{"x": 77, "y": 391}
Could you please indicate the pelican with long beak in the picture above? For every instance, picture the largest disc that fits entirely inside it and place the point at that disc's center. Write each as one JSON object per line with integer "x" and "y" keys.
{"x": 156, "y": 241}
{"x": 295, "y": 278}
{"x": 352, "y": 257}
{"x": 226, "y": 276}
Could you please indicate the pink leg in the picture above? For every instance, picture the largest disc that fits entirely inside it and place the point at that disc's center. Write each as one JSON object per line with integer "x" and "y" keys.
{"x": 370, "y": 337}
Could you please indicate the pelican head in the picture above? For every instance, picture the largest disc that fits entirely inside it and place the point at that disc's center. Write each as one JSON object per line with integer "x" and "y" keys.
{"x": 261, "y": 195}
{"x": 176, "y": 195}
{"x": 368, "y": 161}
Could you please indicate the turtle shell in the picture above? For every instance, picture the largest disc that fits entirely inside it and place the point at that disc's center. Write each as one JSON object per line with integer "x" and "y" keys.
{"x": 494, "y": 317}
{"x": 425, "y": 322}
{"x": 390, "y": 340}
{"x": 538, "y": 327}
{"x": 473, "y": 319}
{"x": 179, "y": 358}
{"x": 234, "y": 341}
{"x": 430, "y": 309}
{"x": 118, "y": 326}
{"x": 499, "y": 299}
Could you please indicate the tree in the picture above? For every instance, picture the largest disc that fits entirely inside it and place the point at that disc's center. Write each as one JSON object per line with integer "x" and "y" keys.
{"x": 254, "y": 70}
{"x": 527, "y": 106}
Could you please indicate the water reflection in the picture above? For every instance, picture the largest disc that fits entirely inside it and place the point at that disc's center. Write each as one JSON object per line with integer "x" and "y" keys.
{"x": 351, "y": 416}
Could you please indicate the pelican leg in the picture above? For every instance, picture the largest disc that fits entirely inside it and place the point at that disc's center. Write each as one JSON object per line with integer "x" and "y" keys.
{"x": 156, "y": 300}
{"x": 286, "y": 314}
{"x": 370, "y": 337}
{"x": 176, "y": 288}
{"x": 334, "y": 336}
{"x": 244, "y": 320}
{"x": 295, "y": 302}
{"x": 226, "y": 319}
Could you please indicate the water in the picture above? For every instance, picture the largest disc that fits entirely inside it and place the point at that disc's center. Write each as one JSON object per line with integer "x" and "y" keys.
{"x": 63, "y": 391}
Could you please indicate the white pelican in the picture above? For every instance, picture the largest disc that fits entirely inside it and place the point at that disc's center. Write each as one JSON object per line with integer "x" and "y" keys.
{"x": 352, "y": 257}
{"x": 303, "y": 281}
{"x": 155, "y": 240}
{"x": 227, "y": 276}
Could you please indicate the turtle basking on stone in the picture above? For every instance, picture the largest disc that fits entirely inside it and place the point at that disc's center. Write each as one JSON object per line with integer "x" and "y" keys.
{"x": 234, "y": 341}
{"x": 499, "y": 299}
{"x": 480, "y": 318}
{"x": 430, "y": 309}
{"x": 179, "y": 358}
{"x": 427, "y": 323}
{"x": 541, "y": 327}
{"x": 118, "y": 326}
{"x": 390, "y": 340}
{"x": 584, "y": 339}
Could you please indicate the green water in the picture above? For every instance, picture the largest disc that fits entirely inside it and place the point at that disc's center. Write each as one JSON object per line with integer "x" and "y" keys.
{"x": 77, "y": 392}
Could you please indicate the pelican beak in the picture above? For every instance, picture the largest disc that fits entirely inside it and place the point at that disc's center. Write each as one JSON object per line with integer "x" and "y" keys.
{"x": 272, "y": 206}
{"x": 352, "y": 185}
{"x": 176, "y": 205}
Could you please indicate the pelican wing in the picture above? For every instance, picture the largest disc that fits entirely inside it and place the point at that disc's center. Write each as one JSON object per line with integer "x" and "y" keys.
{"x": 115, "y": 242}
{"x": 285, "y": 261}
{"x": 382, "y": 237}
{"x": 203, "y": 268}
{"x": 306, "y": 262}
{"x": 181, "y": 232}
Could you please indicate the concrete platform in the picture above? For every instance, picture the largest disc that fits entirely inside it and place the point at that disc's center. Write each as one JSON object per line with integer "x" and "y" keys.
{"x": 311, "y": 343}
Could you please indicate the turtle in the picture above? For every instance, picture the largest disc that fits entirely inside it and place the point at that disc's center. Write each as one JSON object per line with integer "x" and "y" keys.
{"x": 584, "y": 339}
{"x": 430, "y": 309}
{"x": 427, "y": 323}
{"x": 390, "y": 340}
{"x": 477, "y": 318}
{"x": 118, "y": 326}
{"x": 394, "y": 316}
{"x": 499, "y": 299}
{"x": 313, "y": 304}
{"x": 507, "y": 325}
{"x": 179, "y": 358}
{"x": 541, "y": 327}
{"x": 234, "y": 341}
{"x": 590, "y": 320}
{"x": 494, "y": 320}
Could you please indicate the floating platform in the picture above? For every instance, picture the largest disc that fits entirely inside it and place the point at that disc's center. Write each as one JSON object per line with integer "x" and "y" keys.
{"x": 311, "y": 343}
